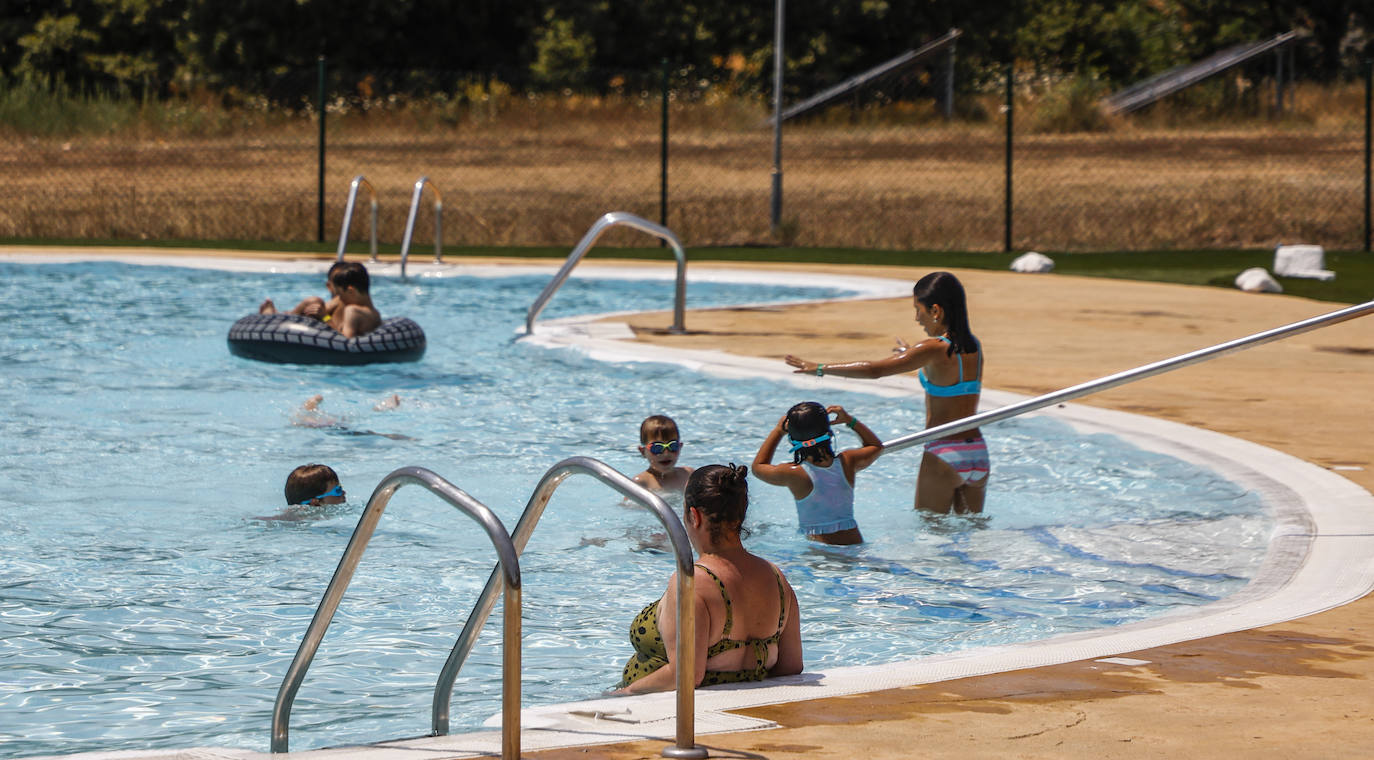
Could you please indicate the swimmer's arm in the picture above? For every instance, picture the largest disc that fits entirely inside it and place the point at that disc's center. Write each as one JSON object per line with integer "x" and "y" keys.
{"x": 908, "y": 359}
{"x": 872, "y": 447}
{"x": 665, "y": 678}
{"x": 349, "y": 321}
{"x": 790, "y": 645}
{"x": 763, "y": 467}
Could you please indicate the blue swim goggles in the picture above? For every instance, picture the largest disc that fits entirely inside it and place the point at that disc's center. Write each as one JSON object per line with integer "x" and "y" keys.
{"x": 822, "y": 438}
{"x": 335, "y": 491}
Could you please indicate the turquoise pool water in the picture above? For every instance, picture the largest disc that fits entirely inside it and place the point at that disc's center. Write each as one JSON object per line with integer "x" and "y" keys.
{"x": 147, "y": 598}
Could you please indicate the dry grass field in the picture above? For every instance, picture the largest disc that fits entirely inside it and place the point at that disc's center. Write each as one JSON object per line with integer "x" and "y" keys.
{"x": 541, "y": 176}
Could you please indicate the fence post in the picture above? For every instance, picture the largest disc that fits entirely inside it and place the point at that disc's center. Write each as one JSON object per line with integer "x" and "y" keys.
{"x": 776, "y": 205}
{"x": 663, "y": 155}
{"x": 1368, "y": 118}
{"x": 949, "y": 82}
{"x": 319, "y": 189}
{"x": 1006, "y": 241}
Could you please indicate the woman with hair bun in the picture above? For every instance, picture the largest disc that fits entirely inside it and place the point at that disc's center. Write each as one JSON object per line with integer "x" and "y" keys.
{"x": 746, "y": 619}
{"x": 949, "y": 363}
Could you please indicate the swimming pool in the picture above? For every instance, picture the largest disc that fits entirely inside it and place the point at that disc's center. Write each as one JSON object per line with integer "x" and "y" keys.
{"x": 122, "y": 623}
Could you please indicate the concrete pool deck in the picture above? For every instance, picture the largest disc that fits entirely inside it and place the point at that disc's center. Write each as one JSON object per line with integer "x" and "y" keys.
{"x": 1296, "y": 689}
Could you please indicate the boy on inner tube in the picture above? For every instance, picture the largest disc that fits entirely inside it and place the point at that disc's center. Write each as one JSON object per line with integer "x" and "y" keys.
{"x": 350, "y": 312}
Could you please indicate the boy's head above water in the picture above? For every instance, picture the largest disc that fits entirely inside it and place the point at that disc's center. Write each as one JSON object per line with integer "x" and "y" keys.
{"x": 350, "y": 274}
{"x": 659, "y": 441}
{"x": 313, "y": 484}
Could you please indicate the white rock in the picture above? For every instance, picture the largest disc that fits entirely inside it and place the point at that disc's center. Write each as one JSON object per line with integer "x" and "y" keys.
{"x": 1032, "y": 261}
{"x": 1307, "y": 261}
{"x": 1258, "y": 280}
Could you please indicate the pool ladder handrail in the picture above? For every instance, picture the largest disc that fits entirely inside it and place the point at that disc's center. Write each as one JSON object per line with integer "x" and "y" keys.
{"x": 685, "y": 742}
{"x": 1128, "y": 376}
{"x": 348, "y": 216}
{"x": 506, "y": 578}
{"x": 614, "y": 219}
{"x": 420, "y": 185}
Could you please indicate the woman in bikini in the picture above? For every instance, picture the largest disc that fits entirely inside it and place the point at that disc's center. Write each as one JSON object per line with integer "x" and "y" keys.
{"x": 746, "y": 619}
{"x": 949, "y": 364}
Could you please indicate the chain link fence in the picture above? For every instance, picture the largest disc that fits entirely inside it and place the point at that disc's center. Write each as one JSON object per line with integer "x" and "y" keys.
{"x": 893, "y": 164}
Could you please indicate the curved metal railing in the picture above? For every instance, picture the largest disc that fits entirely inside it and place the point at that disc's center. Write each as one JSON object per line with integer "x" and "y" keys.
{"x": 612, "y": 219}
{"x": 506, "y": 580}
{"x": 410, "y": 222}
{"x": 685, "y": 655}
{"x": 348, "y": 215}
{"x": 1127, "y": 376}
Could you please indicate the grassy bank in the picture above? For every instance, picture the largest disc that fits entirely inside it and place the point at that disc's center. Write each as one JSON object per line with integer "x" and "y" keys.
{"x": 1354, "y": 281}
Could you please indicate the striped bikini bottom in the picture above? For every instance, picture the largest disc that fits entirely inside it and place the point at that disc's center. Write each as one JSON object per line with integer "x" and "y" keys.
{"x": 968, "y": 457}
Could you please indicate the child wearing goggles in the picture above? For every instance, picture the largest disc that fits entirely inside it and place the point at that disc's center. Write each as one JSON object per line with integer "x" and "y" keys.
{"x": 821, "y": 482}
{"x": 311, "y": 485}
{"x": 660, "y": 444}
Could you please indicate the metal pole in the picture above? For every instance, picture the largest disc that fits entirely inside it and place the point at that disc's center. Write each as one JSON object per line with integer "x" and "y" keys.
{"x": 949, "y": 83}
{"x": 1368, "y": 118}
{"x": 319, "y": 106}
{"x": 1006, "y": 212}
{"x": 1278, "y": 81}
{"x": 663, "y": 156}
{"x": 776, "y": 208}
{"x": 511, "y": 627}
{"x": 1128, "y": 376}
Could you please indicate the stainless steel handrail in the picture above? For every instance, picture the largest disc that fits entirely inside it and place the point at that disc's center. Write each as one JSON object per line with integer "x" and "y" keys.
{"x": 1127, "y": 376}
{"x": 506, "y": 578}
{"x": 686, "y": 654}
{"x": 410, "y": 222}
{"x": 607, "y": 221}
{"x": 348, "y": 215}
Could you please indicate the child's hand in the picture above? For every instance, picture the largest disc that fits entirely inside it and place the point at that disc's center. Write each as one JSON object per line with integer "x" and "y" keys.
{"x": 800, "y": 364}
{"x": 838, "y": 415}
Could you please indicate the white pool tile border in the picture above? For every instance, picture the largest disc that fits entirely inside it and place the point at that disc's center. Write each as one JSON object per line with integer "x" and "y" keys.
{"x": 1321, "y": 556}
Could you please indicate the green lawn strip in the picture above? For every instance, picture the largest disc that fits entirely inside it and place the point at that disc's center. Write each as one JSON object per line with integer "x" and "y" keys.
{"x": 1354, "y": 281}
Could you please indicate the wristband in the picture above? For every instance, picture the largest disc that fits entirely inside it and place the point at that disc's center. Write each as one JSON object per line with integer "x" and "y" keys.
{"x": 852, "y": 422}
{"x": 820, "y": 370}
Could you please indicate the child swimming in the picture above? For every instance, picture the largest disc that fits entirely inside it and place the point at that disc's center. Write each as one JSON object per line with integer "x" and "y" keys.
{"x": 823, "y": 491}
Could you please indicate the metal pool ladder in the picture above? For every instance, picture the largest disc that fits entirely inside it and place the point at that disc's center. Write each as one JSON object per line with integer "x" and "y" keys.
{"x": 410, "y": 222}
{"x": 1128, "y": 376}
{"x": 348, "y": 215}
{"x": 613, "y": 219}
{"x": 505, "y": 580}
{"x": 685, "y": 744}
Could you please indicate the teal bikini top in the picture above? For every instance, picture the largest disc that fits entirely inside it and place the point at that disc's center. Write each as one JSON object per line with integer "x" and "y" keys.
{"x": 961, "y": 388}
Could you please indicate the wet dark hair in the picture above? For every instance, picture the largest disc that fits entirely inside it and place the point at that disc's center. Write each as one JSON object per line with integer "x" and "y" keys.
{"x": 944, "y": 289}
{"x": 721, "y": 493}
{"x": 805, "y": 421}
{"x": 658, "y": 427}
{"x": 308, "y": 481}
{"x": 354, "y": 274}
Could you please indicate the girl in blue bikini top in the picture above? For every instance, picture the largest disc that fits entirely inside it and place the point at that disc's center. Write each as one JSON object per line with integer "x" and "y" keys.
{"x": 961, "y": 387}
{"x": 948, "y": 480}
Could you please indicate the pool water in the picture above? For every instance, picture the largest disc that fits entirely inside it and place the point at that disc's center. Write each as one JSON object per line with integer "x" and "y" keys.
{"x": 150, "y": 597}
